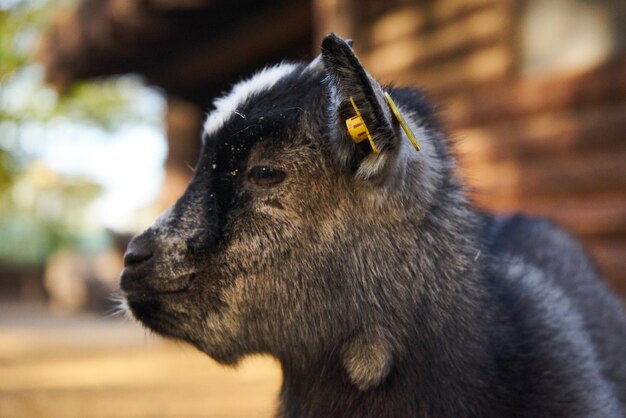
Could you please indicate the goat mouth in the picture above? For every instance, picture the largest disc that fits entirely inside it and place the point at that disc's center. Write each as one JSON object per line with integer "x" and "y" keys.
{"x": 146, "y": 295}
{"x": 150, "y": 289}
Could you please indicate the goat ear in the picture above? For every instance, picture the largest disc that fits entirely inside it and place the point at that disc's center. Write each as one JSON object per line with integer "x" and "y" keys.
{"x": 350, "y": 85}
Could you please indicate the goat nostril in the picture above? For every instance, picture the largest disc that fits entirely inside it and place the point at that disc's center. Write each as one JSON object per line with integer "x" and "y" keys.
{"x": 138, "y": 251}
{"x": 135, "y": 258}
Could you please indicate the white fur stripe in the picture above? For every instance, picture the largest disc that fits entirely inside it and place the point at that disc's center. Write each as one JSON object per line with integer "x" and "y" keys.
{"x": 227, "y": 106}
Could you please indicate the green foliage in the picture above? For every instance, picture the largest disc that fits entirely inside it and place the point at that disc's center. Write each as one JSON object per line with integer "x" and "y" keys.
{"x": 17, "y": 23}
{"x": 107, "y": 104}
{"x": 41, "y": 211}
{"x": 25, "y": 97}
{"x": 8, "y": 169}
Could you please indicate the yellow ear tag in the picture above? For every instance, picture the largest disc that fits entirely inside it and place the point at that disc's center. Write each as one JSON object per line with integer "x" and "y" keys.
{"x": 358, "y": 129}
{"x": 403, "y": 123}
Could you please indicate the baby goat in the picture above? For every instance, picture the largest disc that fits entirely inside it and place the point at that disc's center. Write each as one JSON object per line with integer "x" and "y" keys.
{"x": 364, "y": 269}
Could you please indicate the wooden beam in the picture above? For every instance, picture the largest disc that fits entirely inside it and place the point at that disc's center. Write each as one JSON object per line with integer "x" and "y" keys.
{"x": 192, "y": 49}
{"x": 332, "y": 16}
{"x": 247, "y": 41}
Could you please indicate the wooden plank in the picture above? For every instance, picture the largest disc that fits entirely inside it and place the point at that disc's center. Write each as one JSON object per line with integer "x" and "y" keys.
{"x": 610, "y": 255}
{"x": 492, "y": 102}
{"x": 553, "y": 175}
{"x": 572, "y": 130}
{"x": 488, "y": 63}
{"x": 404, "y": 21}
{"x": 459, "y": 38}
{"x": 372, "y": 22}
{"x": 589, "y": 215}
{"x": 443, "y": 10}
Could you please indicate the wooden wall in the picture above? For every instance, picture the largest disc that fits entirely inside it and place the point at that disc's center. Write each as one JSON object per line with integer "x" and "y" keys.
{"x": 550, "y": 143}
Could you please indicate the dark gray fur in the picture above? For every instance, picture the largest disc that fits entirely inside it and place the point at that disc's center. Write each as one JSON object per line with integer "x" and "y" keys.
{"x": 372, "y": 279}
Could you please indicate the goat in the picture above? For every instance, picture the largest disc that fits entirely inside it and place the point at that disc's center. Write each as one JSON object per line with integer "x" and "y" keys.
{"x": 364, "y": 269}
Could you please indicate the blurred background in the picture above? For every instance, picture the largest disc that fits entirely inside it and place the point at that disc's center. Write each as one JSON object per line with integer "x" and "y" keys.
{"x": 101, "y": 105}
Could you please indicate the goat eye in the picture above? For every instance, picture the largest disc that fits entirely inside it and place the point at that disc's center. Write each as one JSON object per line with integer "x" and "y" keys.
{"x": 266, "y": 176}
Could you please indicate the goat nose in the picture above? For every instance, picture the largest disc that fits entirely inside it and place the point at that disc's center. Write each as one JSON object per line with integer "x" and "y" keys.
{"x": 139, "y": 249}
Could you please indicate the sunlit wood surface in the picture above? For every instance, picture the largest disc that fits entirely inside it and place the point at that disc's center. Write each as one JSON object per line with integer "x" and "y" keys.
{"x": 93, "y": 367}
